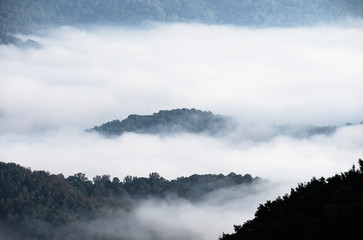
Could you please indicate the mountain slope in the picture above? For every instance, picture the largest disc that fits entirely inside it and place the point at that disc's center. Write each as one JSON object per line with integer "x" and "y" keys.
{"x": 320, "y": 209}
{"x": 24, "y": 15}
{"x": 166, "y": 122}
{"x": 38, "y": 205}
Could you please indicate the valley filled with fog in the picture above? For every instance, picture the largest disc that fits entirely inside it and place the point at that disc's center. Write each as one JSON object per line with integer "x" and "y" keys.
{"x": 260, "y": 77}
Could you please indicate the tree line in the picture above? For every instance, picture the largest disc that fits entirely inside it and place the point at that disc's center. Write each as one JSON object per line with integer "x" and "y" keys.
{"x": 23, "y": 15}
{"x": 322, "y": 208}
{"x": 38, "y": 205}
{"x": 167, "y": 122}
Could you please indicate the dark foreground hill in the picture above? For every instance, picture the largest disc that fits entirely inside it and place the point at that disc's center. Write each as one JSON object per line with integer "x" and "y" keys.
{"x": 37, "y": 205}
{"x": 166, "y": 122}
{"x": 320, "y": 209}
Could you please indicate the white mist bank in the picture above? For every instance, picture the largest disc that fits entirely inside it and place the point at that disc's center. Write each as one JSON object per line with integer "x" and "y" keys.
{"x": 82, "y": 78}
{"x": 282, "y": 158}
{"x": 86, "y": 77}
{"x": 179, "y": 219}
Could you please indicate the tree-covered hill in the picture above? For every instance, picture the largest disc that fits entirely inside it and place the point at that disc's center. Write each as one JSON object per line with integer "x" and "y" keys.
{"x": 166, "y": 122}
{"x": 38, "y": 205}
{"x": 27, "y": 16}
{"x": 320, "y": 209}
{"x": 196, "y": 121}
{"x": 24, "y": 15}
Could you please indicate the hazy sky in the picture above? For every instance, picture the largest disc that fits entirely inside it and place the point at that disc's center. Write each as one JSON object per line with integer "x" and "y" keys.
{"x": 82, "y": 78}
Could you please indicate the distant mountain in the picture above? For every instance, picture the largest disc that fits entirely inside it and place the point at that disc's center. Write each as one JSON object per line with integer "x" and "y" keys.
{"x": 196, "y": 121}
{"x": 11, "y": 39}
{"x": 37, "y": 205}
{"x": 304, "y": 131}
{"x": 167, "y": 122}
{"x": 320, "y": 209}
{"x": 25, "y": 15}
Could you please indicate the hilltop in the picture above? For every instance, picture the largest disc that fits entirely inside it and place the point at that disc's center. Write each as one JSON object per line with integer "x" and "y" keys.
{"x": 320, "y": 209}
{"x": 167, "y": 122}
{"x": 37, "y": 205}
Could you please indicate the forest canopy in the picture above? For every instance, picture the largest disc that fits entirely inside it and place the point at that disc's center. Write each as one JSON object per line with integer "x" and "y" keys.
{"x": 39, "y": 205}
{"x": 29, "y": 16}
{"x": 322, "y": 208}
{"x": 24, "y": 15}
{"x": 166, "y": 122}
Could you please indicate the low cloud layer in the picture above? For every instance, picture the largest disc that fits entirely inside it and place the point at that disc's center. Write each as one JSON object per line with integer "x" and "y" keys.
{"x": 179, "y": 219}
{"x": 82, "y": 78}
{"x": 85, "y": 77}
{"x": 282, "y": 158}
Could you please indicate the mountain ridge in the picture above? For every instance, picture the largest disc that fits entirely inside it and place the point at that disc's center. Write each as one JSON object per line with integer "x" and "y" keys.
{"x": 23, "y": 16}
{"x": 322, "y": 208}
{"x": 193, "y": 121}
{"x": 167, "y": 122}
{"x": 37, "y": 205}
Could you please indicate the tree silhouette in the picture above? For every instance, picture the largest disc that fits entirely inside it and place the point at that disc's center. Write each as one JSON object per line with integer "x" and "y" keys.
{"x": 320, "y": 209}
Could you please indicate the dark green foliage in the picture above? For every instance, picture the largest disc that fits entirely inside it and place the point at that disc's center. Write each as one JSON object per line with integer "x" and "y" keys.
{"x": 191, "y": 188}
{"x": 38, "y": 205}
{"x": 320, "y": 209}
{"x": 23, "y": 15}
{"x": 32, "y": 203}
{"x": 166, "y": 122}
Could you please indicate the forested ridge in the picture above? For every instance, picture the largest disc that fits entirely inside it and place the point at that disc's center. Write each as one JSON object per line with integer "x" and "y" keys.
{"x": 329, "y": 208}
{"x": 28, "y": 16}
{"x": 23, "y": 15}
{"x": 39, "y": 205}
{"x": 166, "y": 122}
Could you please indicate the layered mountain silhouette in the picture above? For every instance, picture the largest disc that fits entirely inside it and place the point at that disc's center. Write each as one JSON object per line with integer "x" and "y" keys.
{"x": 167, "y": 122}
{"x": 37, "y": 205}
{"x": 196, "y": 121}
{"x": 320, "y": 209}
{"x": 24, "y": 15}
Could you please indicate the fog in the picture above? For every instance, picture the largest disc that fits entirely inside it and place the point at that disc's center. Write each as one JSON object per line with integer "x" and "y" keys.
{"x": 260, "y": 77}
{"x": 86, "y": 77}
{"x": 180, "y": 219}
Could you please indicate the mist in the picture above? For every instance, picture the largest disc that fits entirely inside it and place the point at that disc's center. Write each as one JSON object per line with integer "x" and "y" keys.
{"x": 273, "y": 75}
{"x": 260, "y": 77}
{"x": 180, "y": 219}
